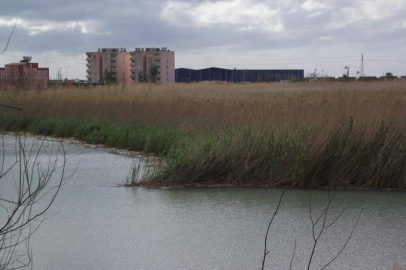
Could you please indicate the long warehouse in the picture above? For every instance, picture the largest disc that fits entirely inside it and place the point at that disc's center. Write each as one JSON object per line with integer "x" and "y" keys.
{"x": 237, "y": 75}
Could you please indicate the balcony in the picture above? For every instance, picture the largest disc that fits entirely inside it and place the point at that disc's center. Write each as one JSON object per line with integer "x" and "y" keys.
{"x": 88, "y": 71}
{"x": 88, "y": 65}
{"x": 89, "y": 76}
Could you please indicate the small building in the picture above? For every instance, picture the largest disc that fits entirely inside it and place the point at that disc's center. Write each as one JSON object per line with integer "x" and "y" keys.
{"x": 142, "y": 60}
{"x": 24, "y": 74}
{"x": 238, "y": 75}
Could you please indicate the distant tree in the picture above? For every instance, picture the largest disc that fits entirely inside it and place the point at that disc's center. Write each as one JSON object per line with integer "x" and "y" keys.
{"x": 153, "y": 73}
{"x": 345, "y": 78}
{"x": 142, "y": 77}
{"x": 109, "y": 76}
{"x": 389, "y": 75}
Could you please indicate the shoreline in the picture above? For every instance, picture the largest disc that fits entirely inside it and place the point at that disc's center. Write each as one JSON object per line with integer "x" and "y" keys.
{"x": 258, "y": 186}
{"x": 73, "y": 141}
{"x": 141, "y": 156}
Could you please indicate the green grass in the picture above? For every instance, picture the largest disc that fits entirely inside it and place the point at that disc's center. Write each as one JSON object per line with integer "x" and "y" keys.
{"x": 348, "y": 156}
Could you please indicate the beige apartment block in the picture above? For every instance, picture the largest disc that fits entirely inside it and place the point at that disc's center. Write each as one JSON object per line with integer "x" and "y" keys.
{"x": 143, "y": 59}
{"x": 107, "y": 64}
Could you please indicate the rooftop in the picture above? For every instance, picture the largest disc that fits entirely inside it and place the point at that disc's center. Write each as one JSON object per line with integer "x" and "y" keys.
{"x": 17, "y": 64}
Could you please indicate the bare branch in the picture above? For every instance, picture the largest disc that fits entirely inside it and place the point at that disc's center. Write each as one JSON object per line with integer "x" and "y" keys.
{"x": 9, "y": 38}
{"x": 32, "y": 185}
{"x": 346, "y": 242}
{"x": 341, "y": 213}
{"x": 293, "y": 256}
{"x": 10, "y": 107}
{"x": 269, "y": 226}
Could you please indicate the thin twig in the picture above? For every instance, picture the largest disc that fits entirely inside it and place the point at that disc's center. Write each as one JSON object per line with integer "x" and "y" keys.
{"x": 269, "y": 226}
{"x": 346, "y": 242}
{"x": 10, "y": 107}
{"x": 9, "y": 38}
{"x": 293, "y": 256}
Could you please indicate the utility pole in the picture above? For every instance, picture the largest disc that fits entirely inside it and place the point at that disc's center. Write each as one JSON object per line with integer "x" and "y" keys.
{"x": 66, "y": 67}
{"x": 60, "y": 74}
{"x": 362, "y": 65}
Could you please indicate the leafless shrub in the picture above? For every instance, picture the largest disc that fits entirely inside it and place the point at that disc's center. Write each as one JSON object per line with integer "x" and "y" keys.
{"x": 37, "y": 181}
{"x": 319, "y": 227}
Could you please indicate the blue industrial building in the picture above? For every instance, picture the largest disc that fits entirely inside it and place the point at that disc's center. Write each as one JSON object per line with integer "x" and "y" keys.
{"x": 237, "y": 75}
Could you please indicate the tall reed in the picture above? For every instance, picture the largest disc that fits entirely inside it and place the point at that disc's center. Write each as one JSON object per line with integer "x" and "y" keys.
{"x": 298, "y": 134}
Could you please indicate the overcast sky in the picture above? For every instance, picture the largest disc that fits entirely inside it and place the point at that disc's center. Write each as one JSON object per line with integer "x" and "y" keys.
{"x": 270, "y": 34}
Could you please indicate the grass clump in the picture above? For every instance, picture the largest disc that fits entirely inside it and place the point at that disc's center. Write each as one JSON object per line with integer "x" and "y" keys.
{"x": 347, "y": 158}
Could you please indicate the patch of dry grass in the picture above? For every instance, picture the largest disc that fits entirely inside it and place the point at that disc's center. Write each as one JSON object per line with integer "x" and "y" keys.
{"x": 218, "y": 104}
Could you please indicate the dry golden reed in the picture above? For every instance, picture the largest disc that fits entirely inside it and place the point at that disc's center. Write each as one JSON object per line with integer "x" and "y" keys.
{"x": 221, "y": 105}
{"x": 346, "y": 134}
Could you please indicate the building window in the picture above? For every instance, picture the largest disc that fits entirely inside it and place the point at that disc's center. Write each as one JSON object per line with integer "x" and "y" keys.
{"x": 25, "y": 66}
{"x": 15, "y": 66}
{"x": 39, "y": 72}
{"x": 45, "y": 72}
{"x": 16, "y": 73}
{"x": 25, "y": 72}
{"x": 8, "y": 68}
{"x": 45, "y": 79}
{"x": 2, "y": 72}
{"x": 40, "y": 80}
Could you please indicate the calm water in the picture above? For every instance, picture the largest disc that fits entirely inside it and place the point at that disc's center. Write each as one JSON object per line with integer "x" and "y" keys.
{"x": 97, "y": 226}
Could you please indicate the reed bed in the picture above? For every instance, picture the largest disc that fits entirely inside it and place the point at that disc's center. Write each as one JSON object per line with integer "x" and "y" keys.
{"x": 293, "y": 134}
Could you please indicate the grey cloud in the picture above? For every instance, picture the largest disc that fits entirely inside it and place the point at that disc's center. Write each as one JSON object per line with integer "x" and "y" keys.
{"x": 139, "y": 23}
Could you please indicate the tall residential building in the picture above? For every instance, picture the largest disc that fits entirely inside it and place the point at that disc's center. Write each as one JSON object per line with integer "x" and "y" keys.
{"x": 24, "y": 74}
{"x": 143, "y": 59}
{"x": 108, "y": 64}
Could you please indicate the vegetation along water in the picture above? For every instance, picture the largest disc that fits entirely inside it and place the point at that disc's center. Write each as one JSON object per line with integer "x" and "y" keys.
{"x": 349, "y": 135}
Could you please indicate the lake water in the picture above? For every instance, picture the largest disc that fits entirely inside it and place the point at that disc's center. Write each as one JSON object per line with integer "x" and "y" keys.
{"x": 97, "y": 226}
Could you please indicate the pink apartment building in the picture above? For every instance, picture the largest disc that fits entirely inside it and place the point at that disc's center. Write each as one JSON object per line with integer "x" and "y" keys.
{"x": 142, "y": 59}
{"x": 108, "y": 63}
{"x": 24, "y": 74}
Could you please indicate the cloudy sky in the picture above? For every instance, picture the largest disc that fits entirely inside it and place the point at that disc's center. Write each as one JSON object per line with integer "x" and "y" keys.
{"x": 272, "y": 34}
